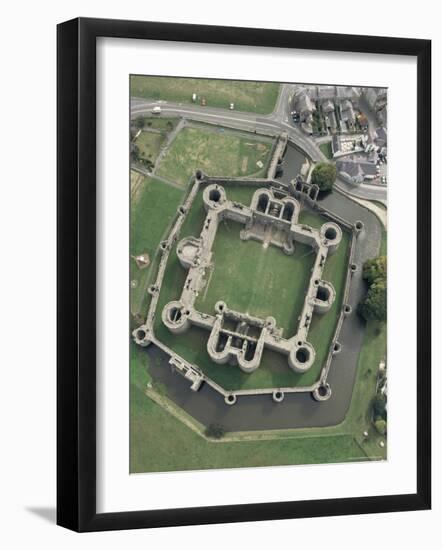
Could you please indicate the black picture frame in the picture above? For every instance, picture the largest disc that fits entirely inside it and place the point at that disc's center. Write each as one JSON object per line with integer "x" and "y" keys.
{"x": 76, "y": 274}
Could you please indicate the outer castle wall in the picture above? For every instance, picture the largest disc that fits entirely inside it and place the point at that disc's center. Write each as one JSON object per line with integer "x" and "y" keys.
{"x": 196, "y": 255}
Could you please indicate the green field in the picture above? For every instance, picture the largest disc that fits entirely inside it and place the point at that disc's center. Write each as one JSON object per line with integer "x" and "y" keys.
{"x": 177, "y": 447}
{"x": 152, "y": 211}
{"x": 278, "y": 279}
{"x": 256, "y": 97}
{"x": 215, "y": 151}
{"x": 274, "y": 370}
{"x": 149, "y": 144}
{"x": 342, "y": 443}
{"x": 153, "y": 135}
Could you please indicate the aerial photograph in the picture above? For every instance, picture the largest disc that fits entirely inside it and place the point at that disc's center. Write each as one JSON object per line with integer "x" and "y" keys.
{"x": 258, "y": 273}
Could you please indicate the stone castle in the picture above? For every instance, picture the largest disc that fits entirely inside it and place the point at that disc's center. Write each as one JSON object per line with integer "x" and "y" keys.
{"x": 234, "y": 336}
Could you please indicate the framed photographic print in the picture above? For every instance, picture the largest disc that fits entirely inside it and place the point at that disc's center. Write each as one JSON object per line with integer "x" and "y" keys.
{"x": 232, "y": 206}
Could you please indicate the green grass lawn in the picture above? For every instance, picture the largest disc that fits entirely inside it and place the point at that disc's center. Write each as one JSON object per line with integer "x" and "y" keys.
{"x": 159, "y": 442}
{"x": 358, "y": 418}
{"x": 256, "y": 97}
{"x": 278, "y": 284}
{"x": 216, "y": 152}
{"x": 149, "y": 144}
{"x": 152, "y": 212}
{"x": 326, "y": 148}
{"x": 342, "y": 443}
{"x": 274, "y": 370}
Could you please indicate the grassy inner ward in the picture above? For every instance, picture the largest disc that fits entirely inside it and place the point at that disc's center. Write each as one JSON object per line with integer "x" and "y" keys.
{"x": 256, "y": 279}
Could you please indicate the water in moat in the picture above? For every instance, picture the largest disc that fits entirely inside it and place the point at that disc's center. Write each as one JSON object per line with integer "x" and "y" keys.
{"x": 292, "y": 162}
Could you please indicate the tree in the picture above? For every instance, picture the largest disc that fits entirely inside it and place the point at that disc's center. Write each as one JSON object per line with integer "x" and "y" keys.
{"x": 374, "y": 306}
{"x": 379, "y": 407}
{"x": 381, "y": 426}
{"x": 139, "y": 122}
{"x": 134, "y": 152}
{"x": 324, "y": 175}
{"x": 374, "y": 269}
{"x": 215, "y": 431}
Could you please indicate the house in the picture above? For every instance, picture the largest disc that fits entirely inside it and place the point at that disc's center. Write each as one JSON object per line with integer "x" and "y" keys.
{"x": 355, "y": 171}
{"x": 344, "y": 145}
{"x": 382, "y": 116}
{"x": 347, "y": 112}
{"x": 363, "y": 121}
{"x": 350, "y": 172}
{"x": 328, "y": 106}
{"x": 330, "y": 121}
{"x": 328, "y": 110}
{"x": 326, "y": 92}
{"x": 376, "y": 98}
{"x": 348, "y": 92}
{"x": 305, "y": 107}
{"x": 380, "y": 137}
{"x": 369, "y": 169}
{"x": 377, "y": 101}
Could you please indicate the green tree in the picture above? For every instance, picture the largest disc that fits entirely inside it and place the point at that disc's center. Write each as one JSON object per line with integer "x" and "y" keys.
{"x": 374, "y": 306}
{"x": 379, "y": 407}
{"x": 374, "y": 269}
{"x": 139, "y": 122}
{"x": 324, "y": 175}
{"x": 381, "y": 426}
{"x": 134, "y": 152}
{"x": 215, "y": 431}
